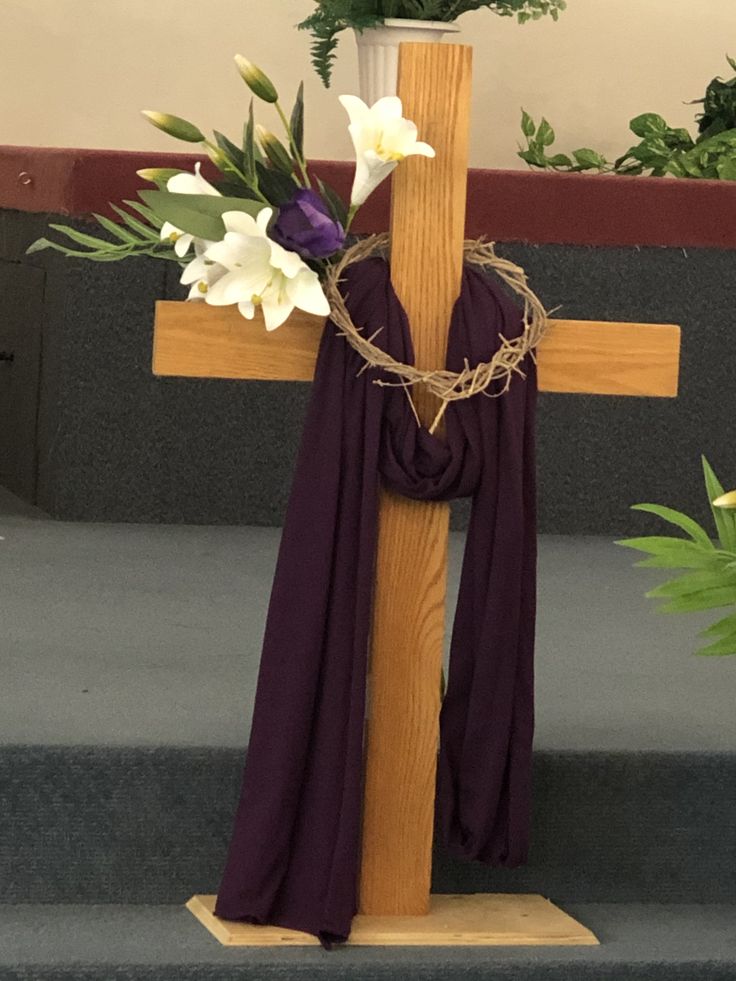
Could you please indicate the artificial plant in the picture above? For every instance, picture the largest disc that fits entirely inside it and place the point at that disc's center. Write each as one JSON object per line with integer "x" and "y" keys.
{"x": 662, "y": 149}
{"x": 331, "y": 17}
{"x": 708, "y": 577}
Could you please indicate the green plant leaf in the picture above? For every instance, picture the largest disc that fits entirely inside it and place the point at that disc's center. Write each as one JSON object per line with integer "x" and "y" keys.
{"x": 334, "y": 202}
{"x": 588, "y": 159}
{"x": 707, "y": 599}
{"x": 719, "y": 648}
{"x": 675, "y": 553}
{"x": 727, "y": 169}
{"x": 296, "y": 123}
{"x": 144, "y": 231}
{"x": 725, "y": 520}
{"x": 119, "y": 231}
{"x": 545, "y": 134}
{"x": 696, "y": 582}
{"x": 91, "y": 241}
{"x": 648, "y": 124}
{"x": 680, "y": 520}
{"x": 722, "y": 627}
{"x": 559, "y": 160}
{"x": 146, "y": 213}
{"x": 249, "y": 149}
{"x": 197, "y": 214}
{"x": 528, "y": 126}
{"x": 279, "y": 188}
{"x": 232, "y": 152}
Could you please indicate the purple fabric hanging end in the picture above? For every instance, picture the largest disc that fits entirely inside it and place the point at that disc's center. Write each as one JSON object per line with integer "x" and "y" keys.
{"x": 294, "y": 854}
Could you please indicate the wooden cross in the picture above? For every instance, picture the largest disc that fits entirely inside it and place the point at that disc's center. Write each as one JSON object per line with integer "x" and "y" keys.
{"x": 198, "y": 341}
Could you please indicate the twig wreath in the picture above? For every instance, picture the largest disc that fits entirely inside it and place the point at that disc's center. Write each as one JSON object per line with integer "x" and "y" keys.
{"x": 448, "y": 386}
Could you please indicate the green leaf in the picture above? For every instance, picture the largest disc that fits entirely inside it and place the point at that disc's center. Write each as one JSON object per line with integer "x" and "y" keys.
{"x": 589, "y": 159}
{"x": 81, "y": 239}
{"x": 277, "y": 187}
{"x": 545, "y": 134}
{"x": 674, "y": 553}
{"x": 648, "y": 124}
{"x": 657, "y": 544}
{"x": 534, "y": 156}
{"x": 232, "y": 152}
{"x": 680, "y": 520}
{"x": 115, "y": 229}
{"x": 39, "y": 245}
{"x": 528, "y": 126}
{"x": 725, "y": 520}
{"x": 197, "y": 214}
{"x": 727, "y": 169}
{"x": 696, "y": 582}
{"x": 145, "y": 231}
{"x": 249, "y": 149}
{"x": 146, "y": 213}
{"x": 707, "y": 599}
{"x": 296, "y": 123}
{"x": 334, "y": 202}
{"x": 722, "y": 627}
{"x": 559, "y": 160}
{"x": 726, "y": 642}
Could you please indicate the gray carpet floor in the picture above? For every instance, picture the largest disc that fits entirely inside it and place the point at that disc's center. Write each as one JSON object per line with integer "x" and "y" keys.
{"x": 150, "y": 635}
{"x": 639, "y": 941}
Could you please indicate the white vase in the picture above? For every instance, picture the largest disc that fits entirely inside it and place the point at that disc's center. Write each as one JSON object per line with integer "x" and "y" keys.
{"x": 378, "y": 52}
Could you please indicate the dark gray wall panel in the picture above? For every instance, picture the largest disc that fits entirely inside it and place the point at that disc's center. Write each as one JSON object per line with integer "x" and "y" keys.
{"x": 117, "y": 444}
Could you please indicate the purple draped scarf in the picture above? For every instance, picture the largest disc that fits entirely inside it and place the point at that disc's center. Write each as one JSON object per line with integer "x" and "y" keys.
{"x": 294, "y": 855}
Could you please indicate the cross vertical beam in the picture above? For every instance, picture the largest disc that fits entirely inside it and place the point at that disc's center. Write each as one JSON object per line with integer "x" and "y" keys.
{"x": 428, "y": 229}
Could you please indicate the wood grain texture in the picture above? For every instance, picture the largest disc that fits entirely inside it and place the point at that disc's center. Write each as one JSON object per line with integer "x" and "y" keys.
{"x": 480, "y": 920}
{"x": 192, "y": 340}
{"x": 610, "y": 359}
{"x": 427, "y": 229}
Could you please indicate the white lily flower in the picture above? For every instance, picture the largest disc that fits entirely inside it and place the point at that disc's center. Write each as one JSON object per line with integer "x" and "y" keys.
{"x": 201, "y": 272}
{"x": 261, "y": 273}
{"x": 382, "y": 138}
{"x": 185, "y": 184}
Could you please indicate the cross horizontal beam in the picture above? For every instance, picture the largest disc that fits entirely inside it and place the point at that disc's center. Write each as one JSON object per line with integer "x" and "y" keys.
{"x": 193, "y": 340}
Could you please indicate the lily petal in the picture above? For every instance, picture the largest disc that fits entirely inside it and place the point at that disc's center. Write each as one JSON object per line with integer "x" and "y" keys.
{"x": 305, "y": 291}
{"x": 276, "y": 310}
{"x": 356, "y": 109}
{"x": 242, "y": 223}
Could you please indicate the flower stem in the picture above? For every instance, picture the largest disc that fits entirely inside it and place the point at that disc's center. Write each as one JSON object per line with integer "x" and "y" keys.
{"x": 235, "y": 170}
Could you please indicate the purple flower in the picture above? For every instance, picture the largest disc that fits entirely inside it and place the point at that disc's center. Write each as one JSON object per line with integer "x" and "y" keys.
{"x": 305, "y": 226}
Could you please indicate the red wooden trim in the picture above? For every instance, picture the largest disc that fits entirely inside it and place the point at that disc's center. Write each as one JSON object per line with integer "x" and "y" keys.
{"x": 506, "y": 205}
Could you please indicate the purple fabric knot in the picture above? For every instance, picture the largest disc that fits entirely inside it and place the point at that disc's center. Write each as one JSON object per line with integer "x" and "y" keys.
{"x": 305, "y": 226}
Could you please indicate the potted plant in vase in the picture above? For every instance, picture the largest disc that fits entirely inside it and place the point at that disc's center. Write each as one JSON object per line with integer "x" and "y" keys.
{"x": 381, "y": 25}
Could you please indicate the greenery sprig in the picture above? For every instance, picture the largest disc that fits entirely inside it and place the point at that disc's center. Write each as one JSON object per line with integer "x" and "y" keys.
{"x": 331, "y": 17}
{"x": 661, "y": 150}
{"x": 709, "y": 579}
{"x": 261, "y": 171}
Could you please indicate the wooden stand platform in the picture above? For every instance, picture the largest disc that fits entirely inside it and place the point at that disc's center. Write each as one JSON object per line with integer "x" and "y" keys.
{"x": 492, "y": 920}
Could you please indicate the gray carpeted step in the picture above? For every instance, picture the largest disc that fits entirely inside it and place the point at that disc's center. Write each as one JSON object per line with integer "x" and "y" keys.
{"x": 640, "y": 943}
{"x": 137, "y": 825}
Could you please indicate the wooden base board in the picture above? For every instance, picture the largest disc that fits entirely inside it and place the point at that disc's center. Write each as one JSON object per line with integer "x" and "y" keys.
{"x": 482, "y": 920}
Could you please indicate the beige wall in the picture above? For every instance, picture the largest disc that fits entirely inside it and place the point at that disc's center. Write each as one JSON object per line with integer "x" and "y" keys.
{"x": 75, "y": 72}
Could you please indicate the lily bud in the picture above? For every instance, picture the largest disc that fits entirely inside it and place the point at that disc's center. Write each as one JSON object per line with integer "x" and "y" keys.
{"x": 727, "y": 501}
{"x": 258, "y": 82}
{"x": 174, "y": 126}
{"x": 157, "y": 175}
{"x": 275, "y": 150}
